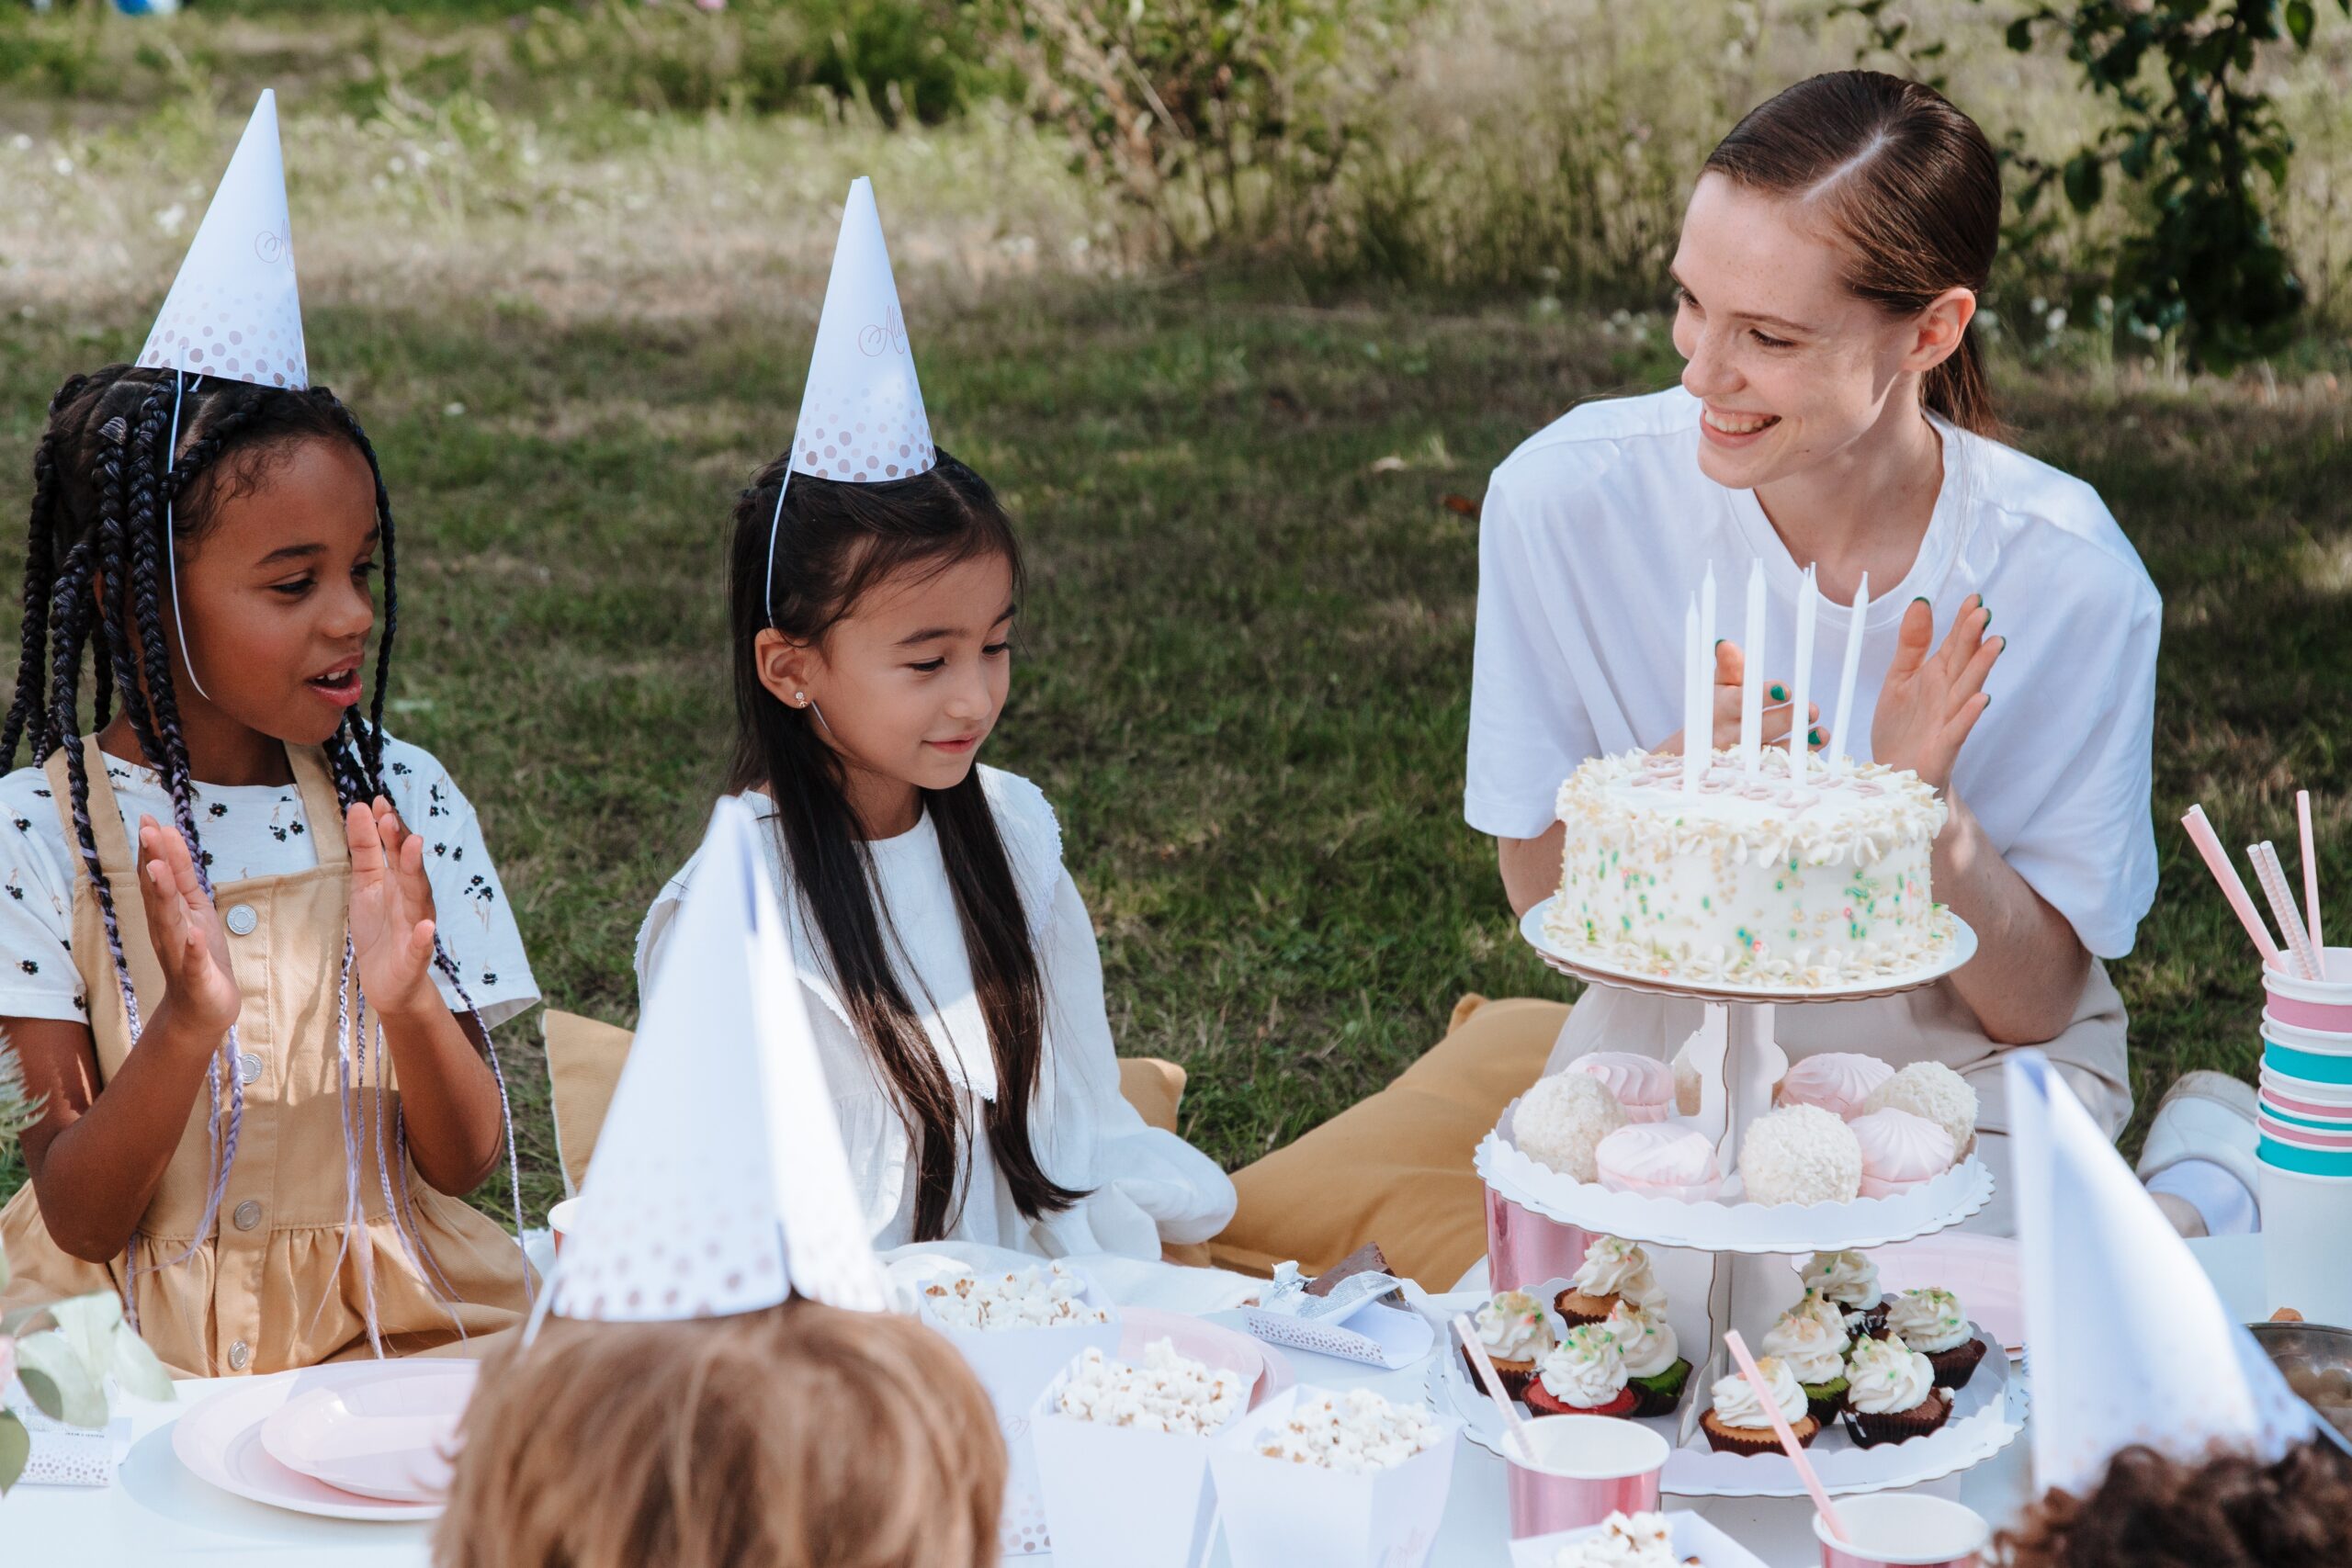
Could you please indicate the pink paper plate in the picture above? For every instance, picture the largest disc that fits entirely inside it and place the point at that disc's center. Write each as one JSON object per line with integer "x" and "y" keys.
{"x": 1267, "y": 1371}
{"x": 1981, "y": 1270}
{"x": 388, "y": 1436}
{"x": 220, "y": 1442}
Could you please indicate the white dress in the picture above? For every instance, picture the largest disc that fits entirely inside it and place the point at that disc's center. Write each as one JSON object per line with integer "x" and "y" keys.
{"x": 1144, "y": 1185}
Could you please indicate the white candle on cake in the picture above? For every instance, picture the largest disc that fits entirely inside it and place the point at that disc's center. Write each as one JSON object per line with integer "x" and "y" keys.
{"x": 1707, "y": 662}
{"x": 1751, "y": 679}
{"x": 1852, "y": 666}
{"x": 1694, "y": 686}
{"x": 1798, "y": 702}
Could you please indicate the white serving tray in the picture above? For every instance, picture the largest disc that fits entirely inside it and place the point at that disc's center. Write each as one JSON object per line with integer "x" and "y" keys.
{"x": 1694, "y": 1541}
{"x": 1734, "y": 1225}
{"x": 1594, "y": 967}
{"x": 1987, "y": 1416}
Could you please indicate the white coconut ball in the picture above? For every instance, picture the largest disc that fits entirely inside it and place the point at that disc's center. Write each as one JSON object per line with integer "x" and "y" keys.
{"x": 1801, "y": 1154}
{"x": 1932, "y": 1091}
{"x": 1562, "y": 1118}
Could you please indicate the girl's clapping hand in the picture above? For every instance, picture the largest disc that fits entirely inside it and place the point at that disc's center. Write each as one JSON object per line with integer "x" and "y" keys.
{"x": 185, "y": 930}
{"x": 391, "y": 909}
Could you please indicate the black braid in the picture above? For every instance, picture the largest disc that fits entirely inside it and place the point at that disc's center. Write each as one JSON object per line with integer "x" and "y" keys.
{"x": 40, "y": 578}
{"x": 372, "y": 739}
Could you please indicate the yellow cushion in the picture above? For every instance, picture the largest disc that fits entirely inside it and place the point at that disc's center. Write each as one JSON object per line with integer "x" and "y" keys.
{"x": 1396, "y": 1168}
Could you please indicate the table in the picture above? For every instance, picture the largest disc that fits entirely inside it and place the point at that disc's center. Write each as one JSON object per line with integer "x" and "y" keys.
{"x": 157, "y": 1514}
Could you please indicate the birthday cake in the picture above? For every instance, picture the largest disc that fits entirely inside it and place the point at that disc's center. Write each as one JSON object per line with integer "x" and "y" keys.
{"x": 1754, "y": 878}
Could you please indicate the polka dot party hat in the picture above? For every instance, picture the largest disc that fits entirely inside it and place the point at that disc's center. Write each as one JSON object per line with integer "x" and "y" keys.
{"x": 719, "y": 1183}
{"x": 861, "y": 413}
{"x": 2126, "y": 1339}
{"x": 234, "y": 312}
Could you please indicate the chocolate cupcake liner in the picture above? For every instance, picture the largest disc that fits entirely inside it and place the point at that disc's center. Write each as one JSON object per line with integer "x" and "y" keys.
{"x": 1954, "y": 1367}
{"x": 1753, "y": 1443}
{"x": 1870, "y": 1429}
{"x": 1659, "y": 1395}
{"x": 1515, "y": 1375}
{"x": 1577, "y": 1308}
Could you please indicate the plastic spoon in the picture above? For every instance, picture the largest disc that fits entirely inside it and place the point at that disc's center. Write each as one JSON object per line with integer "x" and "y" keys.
{"x": 1787, "y": 1434}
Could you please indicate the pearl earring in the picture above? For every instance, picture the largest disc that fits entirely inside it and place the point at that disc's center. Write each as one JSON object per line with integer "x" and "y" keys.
{"x": 801, "y": 698}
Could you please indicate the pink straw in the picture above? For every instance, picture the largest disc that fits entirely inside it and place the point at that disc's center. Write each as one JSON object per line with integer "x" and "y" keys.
{"x": 1787, "y": 1434}
{"x": 1493, "y": 1379}
{"x": 2273, "y": 877}
{"x": 2217, "y": 860}
{"x": 2311, "y": 878}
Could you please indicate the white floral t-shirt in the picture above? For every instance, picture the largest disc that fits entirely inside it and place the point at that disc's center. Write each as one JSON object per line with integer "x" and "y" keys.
{"x": 249, "y": 830}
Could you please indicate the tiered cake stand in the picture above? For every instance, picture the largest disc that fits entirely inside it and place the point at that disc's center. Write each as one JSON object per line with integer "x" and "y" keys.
{"x": 1734, "y": 1261}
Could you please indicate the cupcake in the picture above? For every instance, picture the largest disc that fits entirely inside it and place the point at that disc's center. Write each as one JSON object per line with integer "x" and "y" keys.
{"x": 1643, "y": 1085}
{"x": 1931, "y": 1322}
{"x": 1736, "y": 1423}
{"x": 1848, "y": 1282}
{"x": 1892, "y": 1394}
{"x": 1665, "y": 1159}
{"x": 1800, "y": 1153}
{"x": 1516, "y": 1335}
{"x": 1654, "y": 1369}
{"x": 1935, "y": 1091}
{"x": 1901, "y": 1151}
{"x": 1836, "y": 1081}
{"x": 1611, "y": 1270}
{"x": 1561, "y": 1119}
{"x": 1815, "y": 1354}
{"x": 1584, "y": 1375}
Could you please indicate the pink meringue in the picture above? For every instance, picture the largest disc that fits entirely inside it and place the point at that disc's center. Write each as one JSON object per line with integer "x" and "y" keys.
{"x": 1837, "y": 1081}
{"x": 1665, "y": 1158}
{"x": 1900, "y": 1151}
{"x": 1643, "y": 1085}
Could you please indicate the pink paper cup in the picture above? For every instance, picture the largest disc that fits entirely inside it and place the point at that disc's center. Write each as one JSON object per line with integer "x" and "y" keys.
{"x": 2324, "y": 1005}
{"x": 1524, "y": 1248}
{"x": 1895, "y": 1529}
{"x": 1585, "y": 1468}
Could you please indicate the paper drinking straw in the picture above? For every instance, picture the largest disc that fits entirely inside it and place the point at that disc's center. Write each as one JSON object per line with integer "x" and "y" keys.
{"x": 1494, "y": 1384}
{"x": 2273, "y": 877}
{"x": 2311, "y": 878}
{"x": 1788, "y": 1437}
{"x": 2217, "y": 860}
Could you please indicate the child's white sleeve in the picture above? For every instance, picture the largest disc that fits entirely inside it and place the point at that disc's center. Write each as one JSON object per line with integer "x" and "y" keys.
{"x": 1145, "y": 1186}
{"x": 36, "y": 974}
{"x": 476, "y": 923}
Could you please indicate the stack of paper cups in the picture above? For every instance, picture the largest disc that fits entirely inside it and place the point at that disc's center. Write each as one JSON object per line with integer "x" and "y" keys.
{"x": 2304, "y": 1117}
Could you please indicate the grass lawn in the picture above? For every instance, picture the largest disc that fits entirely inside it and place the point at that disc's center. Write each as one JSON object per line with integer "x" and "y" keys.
{"x": 1243, "y": 666}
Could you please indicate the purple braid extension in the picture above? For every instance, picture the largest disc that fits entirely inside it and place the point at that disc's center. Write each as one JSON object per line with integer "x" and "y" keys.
{"x": 449, "y": 966}
{"x": 408, "y": 1206}
{"x": 351, "y": 1215}
{"x": 411, "y": 1244}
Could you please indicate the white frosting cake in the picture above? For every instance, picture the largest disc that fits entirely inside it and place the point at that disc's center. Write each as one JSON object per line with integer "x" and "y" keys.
{"x": 1767, "y": 881}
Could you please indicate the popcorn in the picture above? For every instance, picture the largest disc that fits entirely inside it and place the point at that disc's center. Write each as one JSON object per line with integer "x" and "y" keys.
{"x": 1169, "y": 1393}
{"x": 1356, "y": 1431}
{"x": 1051, "y": 1297}
{"x": 1639, "y": 1541}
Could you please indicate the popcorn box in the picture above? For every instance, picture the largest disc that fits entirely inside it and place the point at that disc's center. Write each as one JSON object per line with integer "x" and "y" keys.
{"x": 1122, "y": 1496}
{"x": 1015, "y": 1365}
{"x": 1279, "y": 1514}
{"x": 1693, "y": 1538}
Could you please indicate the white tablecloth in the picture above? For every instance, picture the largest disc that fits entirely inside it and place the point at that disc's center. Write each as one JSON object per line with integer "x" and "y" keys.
{"x": 157, "y": 1514}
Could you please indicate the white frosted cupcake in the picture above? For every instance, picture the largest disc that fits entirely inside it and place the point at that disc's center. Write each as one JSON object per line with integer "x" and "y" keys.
{"x": 1735, "y": 1422}
{"x": 1613, "y": 1269}
{"x": 1892, "y": 1394}
{"x": 1516, "y": 1335}
{"x": 1931, "y": 1322}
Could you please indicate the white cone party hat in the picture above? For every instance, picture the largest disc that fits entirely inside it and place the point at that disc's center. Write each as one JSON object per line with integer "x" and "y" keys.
{"x": 234, "y": 312}
{"x": 861, "y": 413}
{"x": 719, "y": 1183}
{"x": 2128, "y": 1342}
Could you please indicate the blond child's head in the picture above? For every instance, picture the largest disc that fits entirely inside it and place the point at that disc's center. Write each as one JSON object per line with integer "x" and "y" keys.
{"x": 800, "y": 1437}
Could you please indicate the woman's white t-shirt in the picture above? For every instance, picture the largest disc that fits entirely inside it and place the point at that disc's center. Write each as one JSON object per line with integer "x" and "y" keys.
{"x": 1144, "y": 1185}
{"x": 1596, "y": 530}
{"x": 249, "y": 830}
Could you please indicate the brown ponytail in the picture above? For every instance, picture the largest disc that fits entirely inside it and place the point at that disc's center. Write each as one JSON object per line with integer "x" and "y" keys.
{"x": 1905, "y": 182}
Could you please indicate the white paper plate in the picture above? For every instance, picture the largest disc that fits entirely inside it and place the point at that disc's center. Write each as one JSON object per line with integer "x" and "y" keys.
{"x": 220, "y": 1442}
{"x": 1695, "y": 1540}
{"x": 1738, "y": 1227}
{"x": 1586, "y": 965}
{"x": 1986, "y": 1418}
{"x": 390, "y": 1437}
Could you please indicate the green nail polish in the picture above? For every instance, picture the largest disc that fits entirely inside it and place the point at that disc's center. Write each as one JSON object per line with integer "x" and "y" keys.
{"x": 1920, "y": 599}
{"x": 1813, "y": 736}
{"x": 1779, "y": 694}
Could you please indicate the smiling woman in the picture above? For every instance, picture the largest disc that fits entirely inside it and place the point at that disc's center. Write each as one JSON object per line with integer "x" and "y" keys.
{"x": 1834, "y": 414}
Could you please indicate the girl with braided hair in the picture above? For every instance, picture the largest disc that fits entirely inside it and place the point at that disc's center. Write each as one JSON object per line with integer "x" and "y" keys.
{"x": 263, "y": 1033}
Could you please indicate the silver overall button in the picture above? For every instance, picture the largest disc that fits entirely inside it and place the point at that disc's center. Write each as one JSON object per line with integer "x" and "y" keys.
{"x": 242, "y": 919}
{"x": 247, "y": 1215}
{"x": 239, "y": 1354}
{"x": 248, "y": 1066}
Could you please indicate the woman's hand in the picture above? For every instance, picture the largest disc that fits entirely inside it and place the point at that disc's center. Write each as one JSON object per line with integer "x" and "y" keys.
{"x": 392, "y": 911}
{"x": 199, "y": 988}
{"x": 1930, "y": 702}
{"x": 1731, "y": 669}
